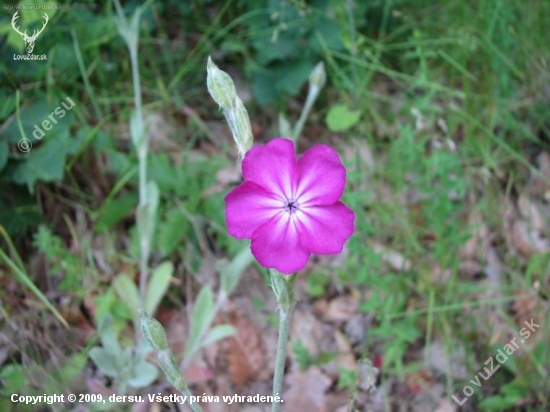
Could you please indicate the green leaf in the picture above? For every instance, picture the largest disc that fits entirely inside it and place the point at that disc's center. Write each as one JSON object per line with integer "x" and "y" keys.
{"x": 218, "y": 332}
{"x": 3, "y": 154}
{"x": 13, "y": 377}
{"x": 73, "y": 366}
{"x": 203, "y": 313}
{"x": 104, "y": 360}
{"x": 231, "y": 273}
{"x": 43, "y": 163}
{"x": 172, "y": 229}
{"x": 340, "y": 118}
{"x": 108, "y": 337}
{"x": 158, "y": 284}
{"x": 113, "y": 211}
{"x": 144, "y": 374}
{"x": 127, "y": 291}
{"x": 497, "y": 403}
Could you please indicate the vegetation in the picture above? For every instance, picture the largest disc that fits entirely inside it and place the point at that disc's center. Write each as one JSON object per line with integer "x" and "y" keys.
{"x": 439, "y": 111}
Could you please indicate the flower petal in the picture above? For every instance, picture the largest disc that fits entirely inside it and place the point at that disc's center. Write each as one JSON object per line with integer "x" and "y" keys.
{"x": 277, "y": 245}
{"x": 249, "y": 206}
{"x": 273, "y": 167}
{"x": 322, "y": 177}
{"x": 325, "y": 229}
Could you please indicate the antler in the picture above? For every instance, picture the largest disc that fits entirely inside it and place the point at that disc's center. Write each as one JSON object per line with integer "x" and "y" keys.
{"x": 17, "y": 28}
{"x": 35, "y": 35}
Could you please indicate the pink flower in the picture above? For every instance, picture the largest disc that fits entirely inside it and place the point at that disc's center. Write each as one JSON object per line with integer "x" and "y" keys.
{"x": 290, "y": 208}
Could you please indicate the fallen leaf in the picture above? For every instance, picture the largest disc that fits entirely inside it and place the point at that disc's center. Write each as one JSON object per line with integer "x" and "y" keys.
{"x": 196, "y": 374}
{"x": 446, "y": 406}
{"x": 245, "y": 354}
{"x": 340, "y": 309}
{"x": 393, "y": 258}
{"x": 306, "y": 390}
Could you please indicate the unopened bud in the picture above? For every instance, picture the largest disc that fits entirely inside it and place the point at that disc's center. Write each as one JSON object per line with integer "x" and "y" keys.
{"x": 283, "y": 287}
{"x": 153, "y": 331}
{"x": 240, "y": 127}
{"x": 171, "y": 370}
{"x": 318, "y": 76}
{"x": 220, "y": 86}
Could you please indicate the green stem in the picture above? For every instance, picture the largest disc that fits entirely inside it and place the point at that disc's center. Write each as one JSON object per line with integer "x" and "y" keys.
{"x": 312, "y": 94}
{"x": 195, "y": 407}
{"x": 283, "y": 287}
{"x": 284, "y": 326}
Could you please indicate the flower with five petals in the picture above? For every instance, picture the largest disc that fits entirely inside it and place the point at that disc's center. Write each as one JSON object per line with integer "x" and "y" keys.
{"x": 290, "y": 208}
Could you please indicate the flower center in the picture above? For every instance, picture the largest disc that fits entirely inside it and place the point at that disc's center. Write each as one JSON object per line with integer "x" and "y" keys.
{"x": 291, "y": 206}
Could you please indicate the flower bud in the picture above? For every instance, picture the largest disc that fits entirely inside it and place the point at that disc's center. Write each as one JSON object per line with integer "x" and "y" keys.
{"x": 153, "y": 331}
{"x": 220, "y": 86}
{"x": 171, "y": 370}
{"x": 239, "y": 123}
{"x": 283, "y": 287}
{"x": 318, "y": 76}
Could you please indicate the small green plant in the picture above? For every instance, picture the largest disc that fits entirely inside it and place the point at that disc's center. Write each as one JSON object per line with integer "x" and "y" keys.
{"x": 125, "y": 365}
{"x": 71, "y": 269}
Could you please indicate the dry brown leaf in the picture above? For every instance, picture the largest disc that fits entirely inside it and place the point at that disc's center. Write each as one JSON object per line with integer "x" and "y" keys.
{"x": 160, "y": 132}
{"x": 306, "y": 391}
{"x": 520, "y": 235}
{"x": 176, "y": 325}
{"x": 445, "y": 405}
{"x": 307, "y": 329}
{"x": 340, "y": 309}
{"x": 531, "y": 214}
{"x": 245, "y": 354}
{"x": 197, "y": 374}
{"x": 469, "y": 268}
{"x": 393, "y": 258}
{"x": 537, "y": 185}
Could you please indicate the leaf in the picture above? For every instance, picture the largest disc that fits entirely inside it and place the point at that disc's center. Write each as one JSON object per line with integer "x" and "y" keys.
{"x": 245, "y": 355}
{"x": 158, "y": 284}
{"x": 218, "y": 332}
{"x": 113, "y": 211}
{"x": 127, "y": 291}
{"x": 108, "y": 337}
{"x": 172, "y": 229}
{"x": 307, "y": 390}
{"x": 3, "y": 154}
{"x": 73, "y": 366}
{"x": 340, "y": 118}
{"x": 497, "y": 403}
{"x": 45, "y": 163}
{"x": 231, "y": 273}
{"x": 144, "y": 374}
{"x": 203, "y": 313}
{"x": 104, "y": 360}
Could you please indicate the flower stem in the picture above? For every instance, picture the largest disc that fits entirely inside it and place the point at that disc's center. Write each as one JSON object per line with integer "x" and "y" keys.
{"x": 283, "y": 287}
{"x": 195, "y": 407}
{"x": 284, "y": 326}
{"x": 312, "y": 94}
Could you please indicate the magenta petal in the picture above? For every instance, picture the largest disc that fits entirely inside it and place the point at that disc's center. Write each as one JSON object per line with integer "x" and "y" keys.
{"x": 325, "y": 229}
{"x": 277, "y": 245}
{"x": 322, "y": 176}
{"x": 248, "y": 207}
{"x": 272, "y": 166}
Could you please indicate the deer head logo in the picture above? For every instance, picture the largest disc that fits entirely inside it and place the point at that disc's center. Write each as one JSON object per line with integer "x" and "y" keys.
{"x": 29, "y": 40}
